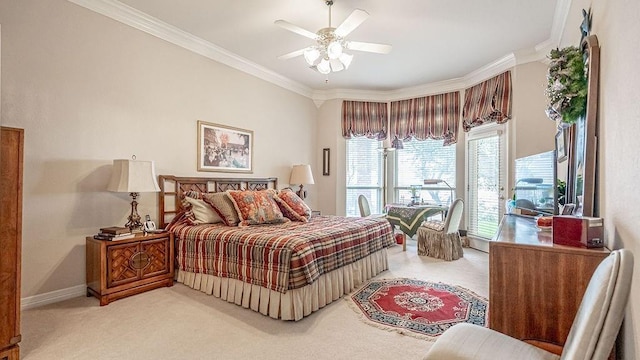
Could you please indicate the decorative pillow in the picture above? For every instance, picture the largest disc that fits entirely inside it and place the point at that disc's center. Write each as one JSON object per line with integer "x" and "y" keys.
{"x": 188, "y": 213}
{"x": 256, "y": 207}
{"x": 202, "y": 212}
{"x": 223, "y": 206}
{"x": 292, "y": 206}
{"x": 192, "y": 194}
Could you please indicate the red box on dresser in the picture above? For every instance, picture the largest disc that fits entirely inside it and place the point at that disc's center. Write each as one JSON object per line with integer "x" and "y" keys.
{"x": 577, "y": 231}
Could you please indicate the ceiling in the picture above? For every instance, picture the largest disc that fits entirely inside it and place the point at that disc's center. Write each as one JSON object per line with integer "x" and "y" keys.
{"x": 433, "y": 40}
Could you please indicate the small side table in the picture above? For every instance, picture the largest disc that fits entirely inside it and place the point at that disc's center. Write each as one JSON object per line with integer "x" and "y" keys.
{"x": 121, "y": 268}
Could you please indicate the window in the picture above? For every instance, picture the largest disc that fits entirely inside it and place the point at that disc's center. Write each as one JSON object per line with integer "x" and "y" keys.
{"x": 535, "y": 181}
{"x": 364, "y": 174}
{"x": 420, "y": 160}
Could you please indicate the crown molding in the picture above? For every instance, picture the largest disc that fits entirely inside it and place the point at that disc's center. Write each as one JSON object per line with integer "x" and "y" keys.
{"x": 141, "y": 21}
{"x": 127, "y": 15}
{"x": 440, "y": 87}
{"x": 559, "y": 22}
{"x": 492, "y": 69}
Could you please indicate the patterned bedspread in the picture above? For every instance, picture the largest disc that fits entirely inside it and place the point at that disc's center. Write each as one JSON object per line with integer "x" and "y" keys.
{"x": 281, "y": 256}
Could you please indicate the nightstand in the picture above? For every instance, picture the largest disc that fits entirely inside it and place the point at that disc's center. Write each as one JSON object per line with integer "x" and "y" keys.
{"x": 316, "y": 212}
{"x": 121, "y": 268}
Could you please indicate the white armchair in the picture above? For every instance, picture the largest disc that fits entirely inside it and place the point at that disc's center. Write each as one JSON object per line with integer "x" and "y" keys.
{"x": 591, "y": 337}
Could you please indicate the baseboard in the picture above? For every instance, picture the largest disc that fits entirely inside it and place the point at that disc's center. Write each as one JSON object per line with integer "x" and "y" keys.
{"x": 478, "y": 243}
{"x": 53, "y": 297}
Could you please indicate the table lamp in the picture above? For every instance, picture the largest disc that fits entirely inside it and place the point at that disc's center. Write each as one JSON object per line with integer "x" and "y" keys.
{"x": 437, "y": 181}
{"x": 301, "y": 174}
{"x": 133, "y": 177}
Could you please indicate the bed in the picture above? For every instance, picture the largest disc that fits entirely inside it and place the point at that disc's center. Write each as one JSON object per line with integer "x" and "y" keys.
{"x": 285, "y": 271}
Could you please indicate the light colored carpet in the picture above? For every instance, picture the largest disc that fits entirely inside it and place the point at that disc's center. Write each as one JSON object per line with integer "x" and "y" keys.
{"x": 181, "y": 323}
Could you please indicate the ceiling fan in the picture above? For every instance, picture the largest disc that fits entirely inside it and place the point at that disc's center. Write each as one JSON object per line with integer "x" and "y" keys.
{"x": 328, "y": 54}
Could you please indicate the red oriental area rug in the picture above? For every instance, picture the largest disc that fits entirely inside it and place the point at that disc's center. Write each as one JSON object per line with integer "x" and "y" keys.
{"x": 419, "y": 308}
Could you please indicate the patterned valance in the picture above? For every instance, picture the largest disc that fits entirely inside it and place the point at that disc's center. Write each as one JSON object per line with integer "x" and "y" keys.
{"x": 362, "y": 118}
{"x": 430, "y": 117}
{"x": 487, "y": 102}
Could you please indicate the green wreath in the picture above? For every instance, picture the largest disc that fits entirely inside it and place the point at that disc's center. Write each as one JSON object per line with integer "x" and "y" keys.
{"x": 567, "y": 85}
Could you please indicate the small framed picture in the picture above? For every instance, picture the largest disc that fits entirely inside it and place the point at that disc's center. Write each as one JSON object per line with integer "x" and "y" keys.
{"x": 224, "y": 148}
{"x": 567, "y": 209}
{"x": 326, "y": 156}
{"x": 561, "y": 149}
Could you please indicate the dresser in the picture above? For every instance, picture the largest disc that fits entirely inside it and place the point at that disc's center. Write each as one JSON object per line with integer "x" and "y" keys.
{"x": 11, "y": 153}
{"x": 121, "y": 268}
{"x": 535, "y": 286}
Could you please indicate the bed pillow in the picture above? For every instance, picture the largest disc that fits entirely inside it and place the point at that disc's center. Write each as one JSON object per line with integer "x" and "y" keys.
{"x": 186, "y": 206}
{"x": 203, "y": 213}
{"x": 223, "y": 206}
{"x": 256, "y": 207}
{"x": 292, "y": 206}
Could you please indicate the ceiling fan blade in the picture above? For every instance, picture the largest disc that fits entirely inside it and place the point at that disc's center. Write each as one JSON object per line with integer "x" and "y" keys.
{"x": 354, "y": 20}
{"x": 368, "y": 47}
{"x": 296, "y": 29}
{"x": 292, "y": 54}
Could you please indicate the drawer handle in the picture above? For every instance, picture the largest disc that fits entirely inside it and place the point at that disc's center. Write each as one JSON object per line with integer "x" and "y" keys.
{"x": 140, "y": 260}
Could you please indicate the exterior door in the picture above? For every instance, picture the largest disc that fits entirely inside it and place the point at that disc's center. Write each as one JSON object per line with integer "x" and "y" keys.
{"x": 486, "y": 178}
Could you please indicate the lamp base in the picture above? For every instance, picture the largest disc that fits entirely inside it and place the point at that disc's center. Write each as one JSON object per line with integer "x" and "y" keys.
{"x": 134, "y": 223}
{"x": 301, "y": 193}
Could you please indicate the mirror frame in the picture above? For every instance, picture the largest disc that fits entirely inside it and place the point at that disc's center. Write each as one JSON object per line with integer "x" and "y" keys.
{"x": 588, "y": 150}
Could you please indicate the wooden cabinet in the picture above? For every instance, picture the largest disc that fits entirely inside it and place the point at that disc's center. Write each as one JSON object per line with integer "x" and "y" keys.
{"x": 116, "y": 269}
{"x": 11, "y": 165}
{"x": 535, "y": 287}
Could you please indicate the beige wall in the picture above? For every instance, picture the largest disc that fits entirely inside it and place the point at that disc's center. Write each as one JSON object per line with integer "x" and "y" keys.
{"x": 616, "y": 25}
{"x": 328, "y": 134}
{"x": 87, "y": 90}
{"x": 533, "y": 132}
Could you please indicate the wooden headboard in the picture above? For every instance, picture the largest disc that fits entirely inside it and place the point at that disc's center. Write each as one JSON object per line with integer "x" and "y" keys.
{"x": 172, "y": 188}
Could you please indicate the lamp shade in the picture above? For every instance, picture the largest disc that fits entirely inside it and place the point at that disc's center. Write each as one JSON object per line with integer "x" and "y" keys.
{"x": 133, "y": 176}
{"x": 301, "y": 174}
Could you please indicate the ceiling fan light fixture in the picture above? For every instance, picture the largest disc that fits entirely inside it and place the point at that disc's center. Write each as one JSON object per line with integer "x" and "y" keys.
{"x": 327, "y": 54}
{"x": 334, "y": 50}
{"x": 346, "y": 59}
{"x": 324, "y": 67}
{"x": 311, "y": 54}
{"x": 336, "y": 65}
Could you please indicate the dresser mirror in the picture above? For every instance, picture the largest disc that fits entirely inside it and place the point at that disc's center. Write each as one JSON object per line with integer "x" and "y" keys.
{"x": 581, "y": 141}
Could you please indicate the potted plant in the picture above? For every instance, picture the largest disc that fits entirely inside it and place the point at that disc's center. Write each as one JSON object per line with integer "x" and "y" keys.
{"x": 562, "y": 190}
{"x": 566, "y": 85}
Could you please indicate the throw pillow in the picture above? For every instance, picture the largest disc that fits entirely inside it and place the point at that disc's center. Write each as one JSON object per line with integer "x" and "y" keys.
{"x": 203, "y": 213}
{"x": 223, "y": 206}
{"x": 186, "y": 206}
{"x": 292, "y": 206}
{"x": 256, "y": 207}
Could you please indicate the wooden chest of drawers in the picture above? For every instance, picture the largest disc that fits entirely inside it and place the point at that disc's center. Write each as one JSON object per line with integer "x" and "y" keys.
{"x": 117, "y": 269}
{"x": 535, "y": 286}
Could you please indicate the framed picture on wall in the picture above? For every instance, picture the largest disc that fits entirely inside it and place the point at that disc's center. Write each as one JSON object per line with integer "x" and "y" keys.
{"x": 224, "y": 148}
{"x": 326, "y": 156}
{"x": 561, "y": 149}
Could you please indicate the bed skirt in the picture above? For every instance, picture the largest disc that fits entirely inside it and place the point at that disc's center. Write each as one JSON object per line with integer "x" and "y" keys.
{"x": 294, "y": 304}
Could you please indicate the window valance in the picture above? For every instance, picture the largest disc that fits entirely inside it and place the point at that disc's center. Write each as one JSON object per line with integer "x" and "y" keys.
{"x": 362, "y": 118}
{"x": 487, "y": 102}
{"x": 430, "y": 117}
